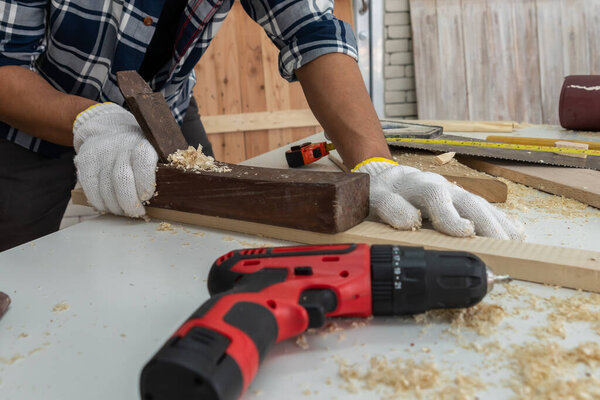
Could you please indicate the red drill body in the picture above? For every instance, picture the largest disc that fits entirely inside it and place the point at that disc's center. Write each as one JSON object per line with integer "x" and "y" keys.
{"x": 264, "y": 296}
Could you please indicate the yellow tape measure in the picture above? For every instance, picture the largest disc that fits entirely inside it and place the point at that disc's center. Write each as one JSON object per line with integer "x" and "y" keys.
{"x": 508, "y": 146}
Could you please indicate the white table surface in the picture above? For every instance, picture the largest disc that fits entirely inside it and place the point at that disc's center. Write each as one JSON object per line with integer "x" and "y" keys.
{"x": 128, "y": 287}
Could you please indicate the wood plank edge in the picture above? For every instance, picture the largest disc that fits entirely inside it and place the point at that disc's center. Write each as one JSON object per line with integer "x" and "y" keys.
{"x": 571, "y": 268}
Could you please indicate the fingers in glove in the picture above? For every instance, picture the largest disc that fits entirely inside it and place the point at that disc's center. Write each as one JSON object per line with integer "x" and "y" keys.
{"x": 514, "y": 229}
{"x": 437, "y": 200}
{"x": 88, "y": 176}
{"x": 482, "y": 213}
{"x": 394, "y": 210}
{"x": 124, "y": 185}
{"x": 144, "y": 169}
{"x": 107, "y": 190}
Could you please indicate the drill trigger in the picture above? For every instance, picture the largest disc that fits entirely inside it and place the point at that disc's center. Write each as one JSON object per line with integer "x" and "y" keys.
{"x": 318, "y": 302}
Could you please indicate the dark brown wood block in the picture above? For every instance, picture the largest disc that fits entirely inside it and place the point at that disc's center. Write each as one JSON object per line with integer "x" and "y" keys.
{"x": 328, "y": 202}
{"x": 131, "y": 83}
{"x": 152, "y": 113}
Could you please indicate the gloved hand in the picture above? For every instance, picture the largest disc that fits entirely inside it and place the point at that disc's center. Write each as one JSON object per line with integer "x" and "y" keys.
{"x": 115, "y": 163}
{"x": 400, "y": 194}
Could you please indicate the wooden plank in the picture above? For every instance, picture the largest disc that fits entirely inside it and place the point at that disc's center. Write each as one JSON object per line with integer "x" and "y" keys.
{"x": 579, "y": 184}
{"x": 229, "y": 147}
{"x": 316, "y": 201}
{"x": 552, "y": 71}
{"x": 500, "y": 71}
{"x": 467, "y": 126}
{"x": 453, "y": 88}
{"x": 426, "y": 57}
{"x": 252, "y": 82}
{"x": 592, "y": 22}
{"x": 575, "y": 37}
{"x": 526, "y": 60}
{"x": 478, "y": 57}
{"x": 490, "y": 189}
{"x": 578, "y": 269}
{"x": 253, "y": 121}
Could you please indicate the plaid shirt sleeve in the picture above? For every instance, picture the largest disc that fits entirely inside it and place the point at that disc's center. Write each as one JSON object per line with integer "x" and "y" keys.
{"x": 22, "y": 31}
{"x": 302, "y": 30}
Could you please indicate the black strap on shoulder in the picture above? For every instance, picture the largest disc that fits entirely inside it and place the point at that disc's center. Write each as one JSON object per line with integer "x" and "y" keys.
{"x": 160, "y": 49}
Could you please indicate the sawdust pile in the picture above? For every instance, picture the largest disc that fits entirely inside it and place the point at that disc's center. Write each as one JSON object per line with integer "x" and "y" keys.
{"x": 405, "y": 377}
{"x": 165, "y": 227}
{"x": 426, "y": 162}
{"x": 194, "y": 160}
{"x": 524, "y": 198}
{"x": 547, "y": 371}
{"x": 61, "y": 307}
{"x": 481, "y": 318}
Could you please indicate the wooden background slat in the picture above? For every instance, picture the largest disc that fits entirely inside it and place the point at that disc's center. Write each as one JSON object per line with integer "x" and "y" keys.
{"x": 239, "y": 74}
{"x": 501, "y": 59}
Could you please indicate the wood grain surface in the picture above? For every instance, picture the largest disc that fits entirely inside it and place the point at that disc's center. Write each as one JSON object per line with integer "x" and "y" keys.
{"x": 239, "y": 74}
{"x": 578, "y": 269}
{"x": 315, "y": 201}
{"x": 579, "y": 184}
{"x": 501, "y": 59}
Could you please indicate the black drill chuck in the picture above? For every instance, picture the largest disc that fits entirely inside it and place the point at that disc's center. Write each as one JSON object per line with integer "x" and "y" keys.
{"x": 411, "y": 280}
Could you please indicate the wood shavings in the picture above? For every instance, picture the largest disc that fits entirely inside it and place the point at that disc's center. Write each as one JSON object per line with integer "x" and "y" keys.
{"x": 426, "y": 162}
{"x": 524, "y": 198}
{"x": 402, "y": 377}
{"x": 302, "y": 342}
{"x": 548, "y": 371}
{"x": 22, "y": 335}
{"x": 12, "y": 360}
{"x": 194, "y": 160}
{"x": 60, "y": 307}
{"x": 165, "y": 227}
{"x": 444, "y": 158}
{"x": 481, "y": 318}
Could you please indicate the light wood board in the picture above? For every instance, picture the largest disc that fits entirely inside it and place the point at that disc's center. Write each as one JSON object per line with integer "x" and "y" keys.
{"x": 501, "y": 59}
{"x": 579, "y": 269}
{"x": 575, "y": 183}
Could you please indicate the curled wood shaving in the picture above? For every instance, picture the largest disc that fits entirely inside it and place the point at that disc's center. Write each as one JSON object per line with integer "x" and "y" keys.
{"x": 194, "y": 160}
{"x": 482, "y": 318}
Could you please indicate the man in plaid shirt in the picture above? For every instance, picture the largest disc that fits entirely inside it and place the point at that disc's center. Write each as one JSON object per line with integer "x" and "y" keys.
{"x": 61, "y": 110}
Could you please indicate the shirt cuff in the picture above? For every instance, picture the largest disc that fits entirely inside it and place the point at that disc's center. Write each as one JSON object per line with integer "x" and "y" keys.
{"x": 314, "y": 40}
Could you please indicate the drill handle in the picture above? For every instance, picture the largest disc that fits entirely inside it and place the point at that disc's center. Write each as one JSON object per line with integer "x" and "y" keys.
{"x": 217, "y": 352}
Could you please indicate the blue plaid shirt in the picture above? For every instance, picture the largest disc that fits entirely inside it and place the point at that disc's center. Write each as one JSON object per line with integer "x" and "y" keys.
{"x": 78, "y": 46}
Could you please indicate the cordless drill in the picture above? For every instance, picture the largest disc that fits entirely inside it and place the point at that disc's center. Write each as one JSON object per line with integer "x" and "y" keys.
{"x": 266, "y": 295}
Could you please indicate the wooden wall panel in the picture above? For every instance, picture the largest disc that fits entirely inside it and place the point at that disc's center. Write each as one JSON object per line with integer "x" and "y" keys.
{"x": 239, "y": 74}
{"x": 452, "y": 49}
{"x": 426, "y": 57}
{"x": 526, "y": 61}
{"x": 515, "y": 55}
{"x": 477, "y": 58}
{"x": 549, "y": 26}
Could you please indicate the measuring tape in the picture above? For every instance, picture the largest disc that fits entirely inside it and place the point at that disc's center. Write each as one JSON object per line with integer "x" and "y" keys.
{"x": 509, "y": 146}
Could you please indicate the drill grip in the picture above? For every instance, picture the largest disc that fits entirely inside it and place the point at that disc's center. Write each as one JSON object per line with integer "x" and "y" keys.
{"x": 212, "y": 358}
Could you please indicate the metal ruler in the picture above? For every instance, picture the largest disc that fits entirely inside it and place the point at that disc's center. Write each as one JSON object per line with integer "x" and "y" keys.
{"x": 549, "y": 149}
{"x": 545, "y": 155}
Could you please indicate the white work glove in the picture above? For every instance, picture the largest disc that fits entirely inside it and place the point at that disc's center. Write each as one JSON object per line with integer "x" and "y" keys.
{"x": 115, "y": 163}
{"x": 400, "y": 194}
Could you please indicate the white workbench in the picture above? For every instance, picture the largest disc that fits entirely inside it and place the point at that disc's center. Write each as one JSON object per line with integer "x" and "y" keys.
{"x": 128, "y": 286}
